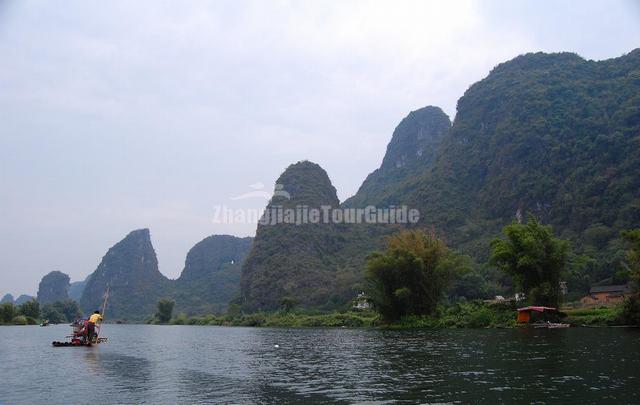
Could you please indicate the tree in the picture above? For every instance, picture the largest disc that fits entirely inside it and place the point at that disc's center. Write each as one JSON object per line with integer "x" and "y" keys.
{"x": 50, "y": 313}
{"x": 632, "y": 262}
{"x": 411, "y": 276}
{"x": 534, "y": 258}
{"x": 7, "y": 312}
{"x": 30, "y": 309}
{"x": 631, "y": 307}
{"x": 288, "y": 304}
{"x": 165, "y": 310}
{"x": 69, "y": 308}
{"x": 61, "y": 311}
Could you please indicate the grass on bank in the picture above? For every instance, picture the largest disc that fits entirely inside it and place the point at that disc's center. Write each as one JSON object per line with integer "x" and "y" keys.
{"x": 475, "y": 314}
{"x": 602, "y": 316}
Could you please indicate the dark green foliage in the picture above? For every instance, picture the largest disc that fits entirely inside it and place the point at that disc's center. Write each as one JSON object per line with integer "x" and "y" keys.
{"x": 631, "y": 310}
{"x": 288, "y": 304}
{"x": 470, "y": 285}
{"x": 534, "y": 257}
{"x": 411, "y": 276}
{"x": 52, "y": 314}
{"x": 633, "y": 257}
{"x": 7, "y": 312}
{"x": 53, "y": 287}
{"x": 69, "y": 308}
{"x": 631, "y": 307}
{"x": 61, "y": 311}
{"x": 475, "y": 314}
{"x": 21, "y": 320}
{"x": 291, "y": 319}
{"x": 165, "y": 310}
{"x": 30, "y": 309}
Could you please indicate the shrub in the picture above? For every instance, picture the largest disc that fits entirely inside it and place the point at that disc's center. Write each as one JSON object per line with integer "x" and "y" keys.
{"x": 20, "y": 320}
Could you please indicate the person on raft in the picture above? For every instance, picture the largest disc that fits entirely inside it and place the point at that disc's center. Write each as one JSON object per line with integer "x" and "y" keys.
{"x": 91, "y": 325}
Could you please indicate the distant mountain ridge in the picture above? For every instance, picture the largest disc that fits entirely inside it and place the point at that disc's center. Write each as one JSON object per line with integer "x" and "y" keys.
{"x": 130, "y": 270}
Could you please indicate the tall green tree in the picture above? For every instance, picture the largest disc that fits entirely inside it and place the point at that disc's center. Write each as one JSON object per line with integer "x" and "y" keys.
{"x": 632, "y": 261}
{"x": 30, "y": 309}
{"x": 52, "y": 314}
{"x": 411, "y": 276}
{"x": 631, "y": 308}
{"x": 534, "y": 258}
{"x": 165, "y": 309}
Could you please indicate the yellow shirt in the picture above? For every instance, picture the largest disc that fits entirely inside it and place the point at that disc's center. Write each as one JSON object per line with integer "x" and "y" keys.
{"x": 95, "y": 318}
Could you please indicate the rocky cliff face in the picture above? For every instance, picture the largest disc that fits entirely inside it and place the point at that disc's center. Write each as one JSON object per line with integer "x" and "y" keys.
{"x": 130, "y": 269}
{"x": 53, "y": 287}
{"x": 293, "y": 260}
{"x": 410, "y": 153}
{"x": 211, "y": 275}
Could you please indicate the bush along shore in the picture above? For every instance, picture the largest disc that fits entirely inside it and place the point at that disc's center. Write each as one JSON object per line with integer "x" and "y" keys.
{"x": 476, "y": 314}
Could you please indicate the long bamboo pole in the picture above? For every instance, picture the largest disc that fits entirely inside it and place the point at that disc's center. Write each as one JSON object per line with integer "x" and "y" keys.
{"x": 104, "y": 308}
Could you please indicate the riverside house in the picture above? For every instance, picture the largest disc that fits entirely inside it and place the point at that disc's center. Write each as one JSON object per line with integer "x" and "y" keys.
{"x": 606, "y": 294}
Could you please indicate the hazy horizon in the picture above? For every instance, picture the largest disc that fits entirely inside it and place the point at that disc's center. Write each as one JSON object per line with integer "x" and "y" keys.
{"x": 120, "y": 116}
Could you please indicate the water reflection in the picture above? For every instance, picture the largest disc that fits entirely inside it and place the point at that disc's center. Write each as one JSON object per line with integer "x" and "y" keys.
{"x": 92, "y": 361}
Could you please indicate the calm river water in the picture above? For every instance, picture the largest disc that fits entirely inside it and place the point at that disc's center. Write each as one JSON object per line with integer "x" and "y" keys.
{"x": 195, "y": 364}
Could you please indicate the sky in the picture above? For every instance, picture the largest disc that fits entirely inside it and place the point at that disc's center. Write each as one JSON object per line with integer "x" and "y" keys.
{"x": 117, "y": 115}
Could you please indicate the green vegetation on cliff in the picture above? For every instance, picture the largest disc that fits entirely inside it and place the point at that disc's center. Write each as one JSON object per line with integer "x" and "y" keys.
{"x": 296, "y": 261}
{"x": 211, "y": 275}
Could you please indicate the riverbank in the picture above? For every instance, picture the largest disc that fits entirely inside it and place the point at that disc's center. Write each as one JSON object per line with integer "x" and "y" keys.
{"x": 467, "y": 315}
{"x": 463, "y": 315}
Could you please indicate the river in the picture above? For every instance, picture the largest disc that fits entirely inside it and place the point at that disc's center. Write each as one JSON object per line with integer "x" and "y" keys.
{"x": 197, "y": 364}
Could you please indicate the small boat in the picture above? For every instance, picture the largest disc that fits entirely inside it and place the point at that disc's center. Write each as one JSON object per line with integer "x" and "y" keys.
{"x": 45, "y": 323}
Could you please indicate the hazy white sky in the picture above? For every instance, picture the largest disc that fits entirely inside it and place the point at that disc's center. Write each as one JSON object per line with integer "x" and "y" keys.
{"x": 121, "y": 115}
